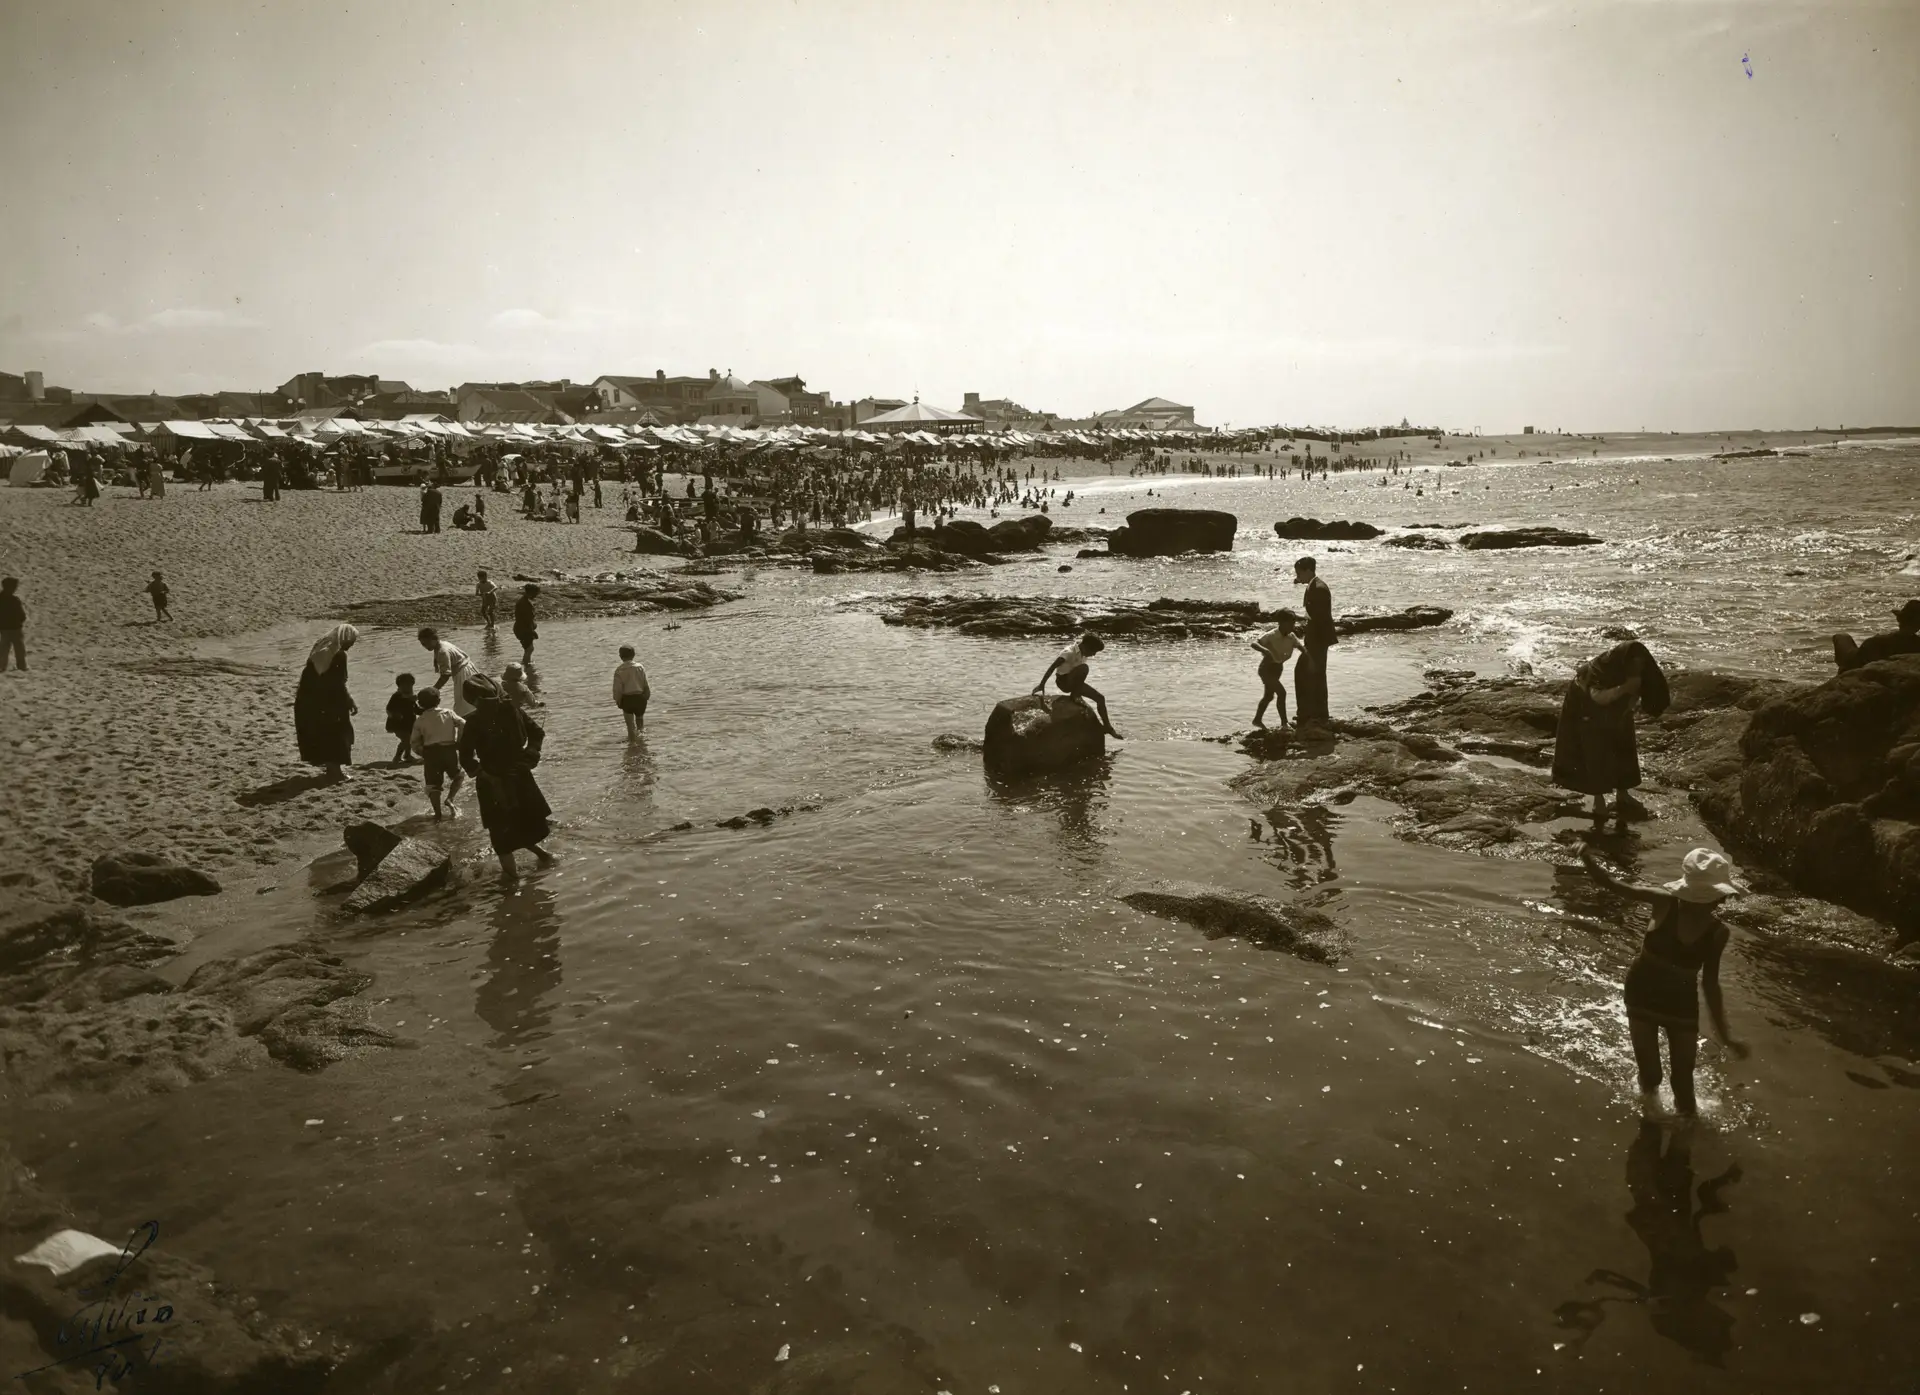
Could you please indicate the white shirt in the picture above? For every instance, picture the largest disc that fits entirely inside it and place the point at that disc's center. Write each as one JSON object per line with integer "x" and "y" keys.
{"x": 449, "y": 662}
{"x": 436, "y": 727}
{"x": 629, "y": 678}
{"x": 1071, "y": 658}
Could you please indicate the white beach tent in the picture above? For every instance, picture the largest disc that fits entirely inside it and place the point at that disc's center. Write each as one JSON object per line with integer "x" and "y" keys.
{"x": 28, "y": 467}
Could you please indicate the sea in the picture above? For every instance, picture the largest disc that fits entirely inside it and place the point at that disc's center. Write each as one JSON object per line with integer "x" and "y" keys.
{"x": 890, "y": 1091}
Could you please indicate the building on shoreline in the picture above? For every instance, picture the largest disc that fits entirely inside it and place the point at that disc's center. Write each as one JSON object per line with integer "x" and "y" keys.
{"x": 1152, "y": 414}
{"x": 1004, "y": 412}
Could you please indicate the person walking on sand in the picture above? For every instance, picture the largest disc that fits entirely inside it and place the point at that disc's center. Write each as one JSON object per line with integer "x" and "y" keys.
{"x": 631, "y": 691}
{"x": 1594, "y": 750}
{"x": 13, "y": 624}
{"x": 157, "y": 590}
{"x": 1274, "y": 648}
{"x": 1069, "y": 670}
{"x": 402, "y": 708}
{"x": 323, "y": 710}
{"x": 526, "y": 626}
{"x": 450, "y": 666}
{"x": 1682, "y": 949}
{"x": 436, "y": 736}
{"x": 1310, "y": 674}
{"x": 489, "y": 595}
{"x": 499, "y": 748}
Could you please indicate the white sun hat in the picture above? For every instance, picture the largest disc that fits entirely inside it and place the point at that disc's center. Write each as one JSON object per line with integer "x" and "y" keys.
{"x": 1705, "y": 876}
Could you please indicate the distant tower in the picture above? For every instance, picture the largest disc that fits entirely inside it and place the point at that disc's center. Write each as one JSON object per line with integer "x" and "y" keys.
{"x": 36, "y": 385}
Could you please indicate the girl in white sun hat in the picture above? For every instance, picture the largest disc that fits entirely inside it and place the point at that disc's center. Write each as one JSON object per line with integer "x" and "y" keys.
{"x": 1681, "y": 949}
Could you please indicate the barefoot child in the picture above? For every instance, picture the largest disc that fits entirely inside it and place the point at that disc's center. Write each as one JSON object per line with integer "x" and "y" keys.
{"x": 1274, "y": 648}
{"x": 513, "y": 687}
{"x": 487, "y": 592}
{"x": 157, "y": 588}
{"x": 1680, "y": 951}
{"x": 401, "y": 708}
{"x": 436, "y": 736}
{"x": 526, "y": 625}
{"x": 1069, "y": 670}
{"x": 630, "y": 692}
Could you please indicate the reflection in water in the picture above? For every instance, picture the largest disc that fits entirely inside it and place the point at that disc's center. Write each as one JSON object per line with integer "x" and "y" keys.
{"x": 1682, "y": 1272}
{"x": 1076, "y": 797}
{"x": 523, "y": 966}
{"x": 1302, "y": 840}
{"x": 490, "y": 645}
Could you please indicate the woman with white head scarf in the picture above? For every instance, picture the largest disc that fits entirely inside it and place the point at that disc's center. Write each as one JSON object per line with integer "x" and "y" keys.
{"x": 323, "y": 710}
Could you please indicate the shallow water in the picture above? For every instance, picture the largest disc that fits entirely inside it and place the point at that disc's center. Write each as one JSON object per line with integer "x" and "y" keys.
{"x": 899, "y": 1084}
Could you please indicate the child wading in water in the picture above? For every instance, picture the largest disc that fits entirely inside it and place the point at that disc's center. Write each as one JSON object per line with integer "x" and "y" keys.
{"x": 488, "y": 594}
{"x": 436, "y": 736}
{"x": 401, "y": 709}
{"x": 1682, "y": 950}
{"x": 1275, "y": 647}
{"x": 1069, "y": 670}
{"x": 513, "y": 687}
{"x": 630, "y": 692}
{"x": 157, "y": 588}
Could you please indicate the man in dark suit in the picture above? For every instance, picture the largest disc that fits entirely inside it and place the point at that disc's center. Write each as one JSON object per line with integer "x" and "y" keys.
{"x": 1310, "y": 671}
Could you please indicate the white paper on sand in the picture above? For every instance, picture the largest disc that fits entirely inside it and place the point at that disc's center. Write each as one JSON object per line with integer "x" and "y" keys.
{"x": 66, "y": 1250}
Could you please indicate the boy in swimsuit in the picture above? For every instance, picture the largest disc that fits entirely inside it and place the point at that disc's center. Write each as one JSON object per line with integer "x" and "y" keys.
{"x": 1678, "y": 963}
{"x": 488, "y": 594}
{"x": 1274, "y": 648}
{"x": 1069, "y": 670}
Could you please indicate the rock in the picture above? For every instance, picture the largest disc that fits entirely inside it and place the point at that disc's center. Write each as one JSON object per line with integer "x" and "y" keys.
{"x": 178, "y": 1329}
{"x": 134, "y": 878}
{"x": 1338, "y": 531}
{"x": 564, "y": 599}
{"x": 1266, "y": 922}
{"x": 408, "y": 870}
{"x": 1021, "y": 534}
{"x": 1827, "y": 790}
{"x": 962, "y": 535}
{"x": 1419, "y": 541}
{"x": 1498, "y": 538}
{"x": 917, "y": 556}
{"x": 952, "y": 741}
{"x": 297, "y": 1000}
{"x": 1415, "y": 617}
{"x": 369, "y": 843}
{"x": 1041, "y": 732}
{"x": 1168, "y": 532}
{"x": 647, "y": 538}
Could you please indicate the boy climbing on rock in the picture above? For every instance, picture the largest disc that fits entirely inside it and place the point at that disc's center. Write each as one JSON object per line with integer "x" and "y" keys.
{"x": 1069, "y": 670}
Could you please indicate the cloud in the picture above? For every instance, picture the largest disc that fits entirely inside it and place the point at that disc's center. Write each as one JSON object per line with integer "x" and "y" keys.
{"x": 175, "y": 320}
{"x": 422, "y": 353}
{"x": 578, "y": 320}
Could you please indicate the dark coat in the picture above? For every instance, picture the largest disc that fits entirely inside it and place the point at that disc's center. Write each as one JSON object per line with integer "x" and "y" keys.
{"x": 498, "y": 747}
{"x": 323, "y": 714}
{"x": 1594, "y": 749}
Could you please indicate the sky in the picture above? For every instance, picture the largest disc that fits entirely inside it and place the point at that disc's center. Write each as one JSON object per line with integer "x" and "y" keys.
{"x": 1617, "y": 215}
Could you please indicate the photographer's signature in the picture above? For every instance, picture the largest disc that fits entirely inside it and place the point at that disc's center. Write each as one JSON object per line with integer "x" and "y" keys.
{"x": 119, "y": 1333}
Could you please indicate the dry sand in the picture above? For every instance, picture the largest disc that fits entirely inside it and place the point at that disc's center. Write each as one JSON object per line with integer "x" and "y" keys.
{"x": 124, "y": 735}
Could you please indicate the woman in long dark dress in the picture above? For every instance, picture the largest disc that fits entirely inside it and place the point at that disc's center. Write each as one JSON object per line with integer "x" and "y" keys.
{"x": 498, "y": 748}
{"x": 1594, "y": 750}
{"x": 323, "y": 710}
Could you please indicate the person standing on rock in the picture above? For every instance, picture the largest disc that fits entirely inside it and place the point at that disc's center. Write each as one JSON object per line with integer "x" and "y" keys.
{"x": 323, "y": 710}
{"x": 499, "y": 747}
{"x": 1310, "y": 674}
{"x": 1678, "y": 963}
{"x": 526, "y": 627}
{"x": 1069, "y": 669}
{"x": 450, "y": 666}
{"x": 1594, "y": 749}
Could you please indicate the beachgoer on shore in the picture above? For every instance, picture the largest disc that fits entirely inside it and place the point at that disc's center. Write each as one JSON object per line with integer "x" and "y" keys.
{"x": 1069, "y": 671}
{"x": 1678, "y": 963}
{"x": 1275, "y": 647}
{"x": 1594, "y": 750}
{"x": 401, "y": 707}
{"x": 450, "y": 666}
{"x": 631, "y": 691}
{"x": 436, "y": 736}
{"x": 13, "y": 624}
{"x": 1310, "y": 673}
{"x": 430, "y": 507}
{"x": 499, "y": 748}
{"x": 1904, "y": 640}
{"x": 489, "y": 595}
{"x": 526, "y": 626}
{"x": 157, "y": 590}
{"x": 323, "y": 710}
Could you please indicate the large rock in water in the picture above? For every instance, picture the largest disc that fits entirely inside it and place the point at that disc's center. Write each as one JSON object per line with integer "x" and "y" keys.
{"x": 1828, "y": 791}
{"x": 142, "y": 879}
{"x": 1040, "y": 732}
{"x": 1167, "y": 532}
{"x": 1335, "y": 530}
{"x": 1021, "y": 534}
{"x": 1494, "y": 539}
{"x": 393, "y": 869}
{"x": 1266, "y": 922}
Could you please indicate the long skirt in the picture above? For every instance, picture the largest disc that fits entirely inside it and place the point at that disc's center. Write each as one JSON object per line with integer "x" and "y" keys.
{"x": 1594, "y": 750}
{"x": 322, "y": 723}
{"x": 513, "y": 809}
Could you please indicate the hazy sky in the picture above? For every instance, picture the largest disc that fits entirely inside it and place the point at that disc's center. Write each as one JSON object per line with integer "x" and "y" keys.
{"x": 1474, "y": 214}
